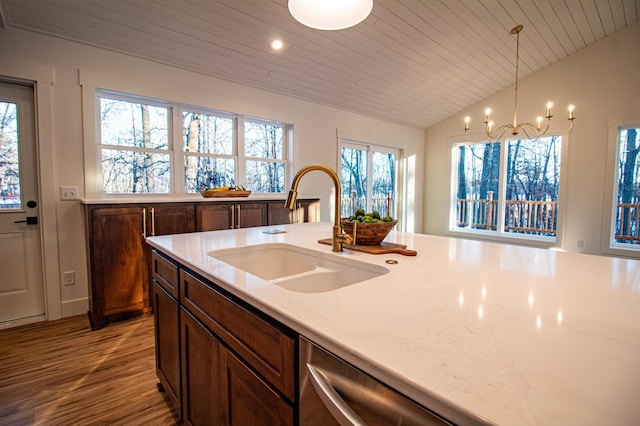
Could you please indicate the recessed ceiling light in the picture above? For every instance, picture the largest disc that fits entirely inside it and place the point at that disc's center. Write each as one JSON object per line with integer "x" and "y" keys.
{"x": 276, "y": 44}
{"x": 330, "y": 14}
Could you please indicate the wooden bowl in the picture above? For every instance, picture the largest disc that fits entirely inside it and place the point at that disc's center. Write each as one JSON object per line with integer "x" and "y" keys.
{"x": 368, "y": 234}
{"x": 210, "y": 193}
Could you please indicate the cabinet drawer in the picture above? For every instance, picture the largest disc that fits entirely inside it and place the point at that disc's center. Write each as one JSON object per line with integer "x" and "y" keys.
{"x": 165, "y": 273}
{"x": 261, "y": 344}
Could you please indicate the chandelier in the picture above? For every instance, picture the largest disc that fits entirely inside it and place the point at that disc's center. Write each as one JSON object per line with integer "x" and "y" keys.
{"x": 330, "y": 14}
{"x": 532, "y": 131}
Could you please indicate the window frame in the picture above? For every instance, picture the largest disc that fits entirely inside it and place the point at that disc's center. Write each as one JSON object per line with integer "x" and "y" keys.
{"x": 287, "y": 132}
{"x": 170, "y": 150}
{"x": 370, "y": 148}
{"x": 180, "y": 169}
{"x": 608, "y": 242}
{"x": 500, "y": 235}
{"x": 175, "y": 143}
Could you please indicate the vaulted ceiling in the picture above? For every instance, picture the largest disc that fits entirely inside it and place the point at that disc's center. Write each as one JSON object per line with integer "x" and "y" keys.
{"x": 413, "y": 62}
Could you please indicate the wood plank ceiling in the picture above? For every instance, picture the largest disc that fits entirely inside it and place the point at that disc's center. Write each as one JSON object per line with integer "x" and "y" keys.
{"x": 413, "y": 62}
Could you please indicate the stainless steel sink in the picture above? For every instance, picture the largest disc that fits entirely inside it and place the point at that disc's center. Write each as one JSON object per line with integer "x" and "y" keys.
{"x": 298, "y": 269}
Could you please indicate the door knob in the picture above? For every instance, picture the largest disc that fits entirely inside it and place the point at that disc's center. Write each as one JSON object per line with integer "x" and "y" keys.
{"x": 31, "y": 220}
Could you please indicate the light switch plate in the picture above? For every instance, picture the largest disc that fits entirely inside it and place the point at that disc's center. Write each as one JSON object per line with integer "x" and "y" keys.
{"x": 68, "y": 192}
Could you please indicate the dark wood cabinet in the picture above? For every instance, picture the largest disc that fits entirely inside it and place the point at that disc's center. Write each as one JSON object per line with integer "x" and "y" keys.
{"x": 166, "y": 219}
{"x": 247, "y": 399}
{"x": 305, "y": 211}
{"x": 167, "y": 328}
{"x": 219, "y": 216}
{"x": 237, "y": 366}
{"x": 200, "y": 351}
{"x": 119, "y": 276}
{"x": 119, "y": 259}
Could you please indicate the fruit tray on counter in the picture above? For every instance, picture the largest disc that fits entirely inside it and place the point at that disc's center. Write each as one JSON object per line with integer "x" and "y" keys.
{"x": 214, "y": 193}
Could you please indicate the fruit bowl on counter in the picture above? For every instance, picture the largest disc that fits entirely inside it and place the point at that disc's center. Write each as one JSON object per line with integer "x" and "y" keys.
{"x": 225, "y": 191}
{"x": 370, "y": 229}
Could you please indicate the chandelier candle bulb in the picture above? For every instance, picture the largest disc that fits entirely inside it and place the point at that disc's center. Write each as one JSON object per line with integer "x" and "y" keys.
{"x": 539, "y": 121}
{"x": 571, "y": 108}
{"x": 549, "y": 105}
{"x": 466, "y": 122}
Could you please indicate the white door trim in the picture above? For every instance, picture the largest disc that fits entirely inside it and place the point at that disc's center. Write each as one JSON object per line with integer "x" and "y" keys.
{"x": 42, "y": 76}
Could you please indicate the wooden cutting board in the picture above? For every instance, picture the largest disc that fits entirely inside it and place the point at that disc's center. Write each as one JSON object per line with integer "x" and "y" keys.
{"x": 382, "y": 248}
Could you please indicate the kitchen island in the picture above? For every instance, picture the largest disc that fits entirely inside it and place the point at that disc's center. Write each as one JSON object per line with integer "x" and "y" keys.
{"x": 477, "y": 332}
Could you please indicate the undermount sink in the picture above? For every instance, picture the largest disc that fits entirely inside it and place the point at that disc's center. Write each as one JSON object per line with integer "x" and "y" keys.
{"x": 298, "y": 269}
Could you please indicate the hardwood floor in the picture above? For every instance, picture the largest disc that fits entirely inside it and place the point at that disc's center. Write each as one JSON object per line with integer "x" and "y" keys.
{"x": 62, "y": 373}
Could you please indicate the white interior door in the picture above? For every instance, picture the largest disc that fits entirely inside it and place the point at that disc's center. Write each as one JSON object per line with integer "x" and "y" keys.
{"x": 21, "y": 283}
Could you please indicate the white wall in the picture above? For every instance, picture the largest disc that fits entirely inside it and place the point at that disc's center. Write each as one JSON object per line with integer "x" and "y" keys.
{"x": 316, "y": 129}
{"x": 603, "y": 81}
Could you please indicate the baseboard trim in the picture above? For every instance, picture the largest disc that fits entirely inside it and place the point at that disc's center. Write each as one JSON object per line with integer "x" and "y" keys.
{"x": 75, "y": 307}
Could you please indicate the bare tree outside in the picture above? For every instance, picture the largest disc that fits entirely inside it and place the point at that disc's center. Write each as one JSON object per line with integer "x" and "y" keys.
{"x": 358, "y": 168}
{"x": 264, "y": 154}
{"x": 353, "y": 175}
{"x": 209, "y": 159}
{"x": 532, "y": 186}
{"x": 134, "y": 147}
{"x": 627, "y": 226}
{"x": 9, "y": 157}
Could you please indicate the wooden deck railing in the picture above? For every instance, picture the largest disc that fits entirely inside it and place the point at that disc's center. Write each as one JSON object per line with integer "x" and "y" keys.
{"x": 538, "y": 217}
{"x": 383, "y": 205}
{"x": 628, "y": 223}
{"x": 522, "y": 216}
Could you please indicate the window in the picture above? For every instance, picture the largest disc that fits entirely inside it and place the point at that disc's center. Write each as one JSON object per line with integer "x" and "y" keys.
{"x": 368, "y": 177}
{"x": 626, "y": 217}
{"x": 137, "y": 153}
{"x": 209, "y": 151}
{"x": 264, "y": 152}
{"x": 9, "y": 161}
{"x": 508, "y": 188}
{"x": 134, "y": 147}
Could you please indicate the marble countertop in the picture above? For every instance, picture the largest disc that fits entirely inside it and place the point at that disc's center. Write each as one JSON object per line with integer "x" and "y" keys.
{"x": 478, "y": 332}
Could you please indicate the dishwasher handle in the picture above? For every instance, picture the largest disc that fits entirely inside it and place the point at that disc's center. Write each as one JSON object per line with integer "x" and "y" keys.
{"x": 339, "y": 409}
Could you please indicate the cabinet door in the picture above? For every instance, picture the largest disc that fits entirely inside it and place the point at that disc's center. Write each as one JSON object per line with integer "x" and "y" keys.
{"x": 214, "y": 217}
{"x": 168, "y": 219}
{"x": 200, "y": 374}
{"x": 167, "y": 328}
{"x": 246, "y": 399}
{"x": 249, "y": 215}
{"x": 119, "y": 271}
{"x": 278, "y": 214}
{"x": 217, "y": 216}
{"x": 305, "y": 211}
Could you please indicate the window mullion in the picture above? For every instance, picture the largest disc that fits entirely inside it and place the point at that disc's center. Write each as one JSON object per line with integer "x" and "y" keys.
{"x": 241, "y": 173}
{"x": 369, "y": 179}
{"x": 502, "y": 196}
{"x": 177, "y": 151}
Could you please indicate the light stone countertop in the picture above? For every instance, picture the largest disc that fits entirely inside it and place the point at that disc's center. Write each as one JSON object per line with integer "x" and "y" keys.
{"x": 476, "y": 331}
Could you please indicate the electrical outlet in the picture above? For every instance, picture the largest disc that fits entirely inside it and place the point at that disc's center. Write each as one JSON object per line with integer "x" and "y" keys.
{"x": 68, "y": 192}
{"x": 69, "y": 277}
{"x": 580, "y": 243}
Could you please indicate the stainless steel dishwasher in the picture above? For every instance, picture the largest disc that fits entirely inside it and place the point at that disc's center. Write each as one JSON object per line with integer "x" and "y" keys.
{"x": 333, "y": 392}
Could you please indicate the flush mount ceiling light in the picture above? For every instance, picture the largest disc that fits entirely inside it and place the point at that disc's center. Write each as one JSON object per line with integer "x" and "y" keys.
{"x": 330, "y": 14}
{"x": 530, "y": 130}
